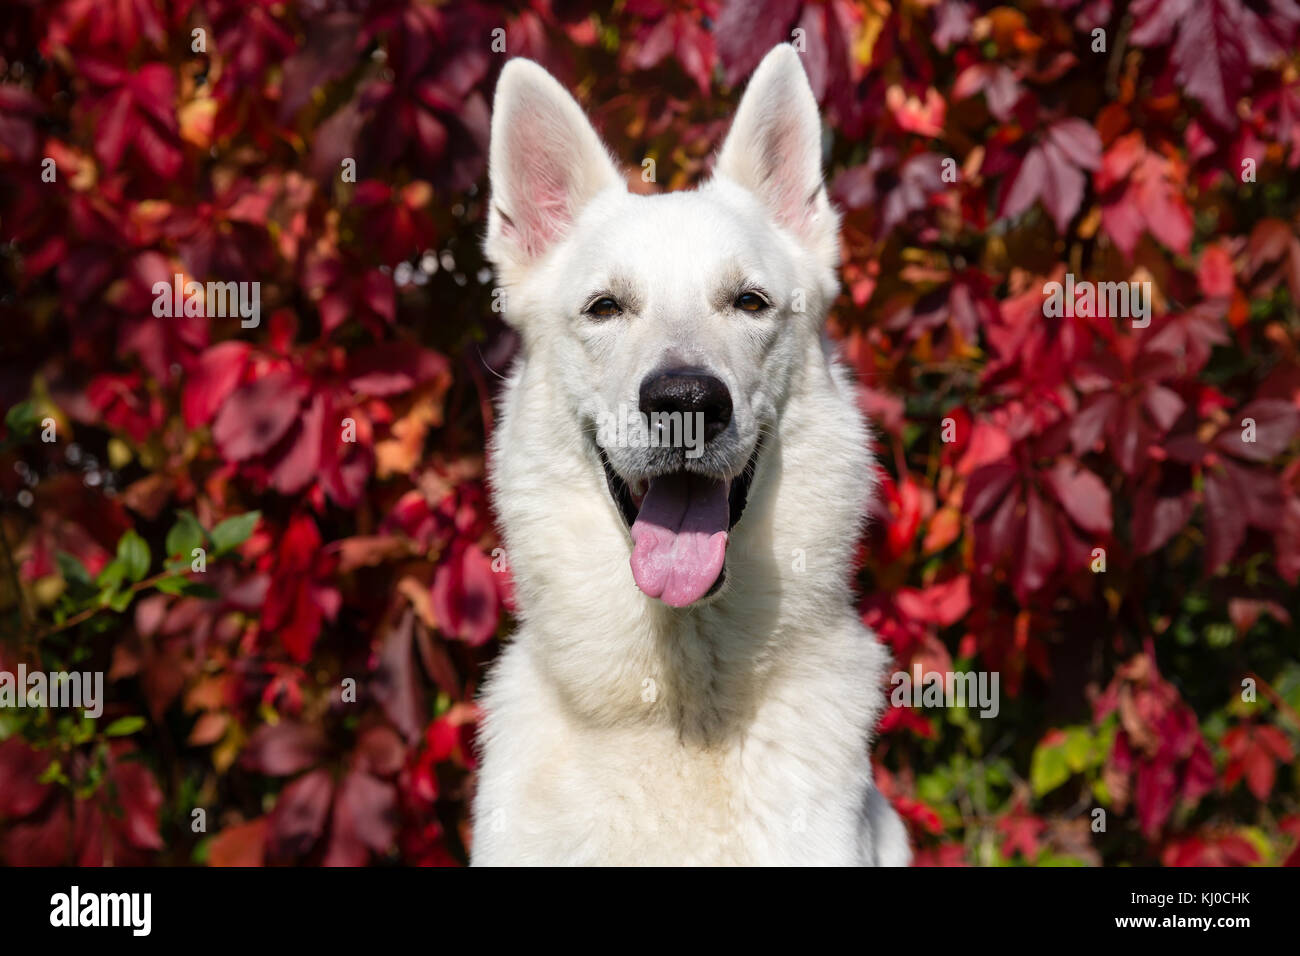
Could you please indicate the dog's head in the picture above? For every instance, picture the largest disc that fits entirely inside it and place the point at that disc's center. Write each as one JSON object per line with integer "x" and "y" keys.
{"x": 673, "y": 324}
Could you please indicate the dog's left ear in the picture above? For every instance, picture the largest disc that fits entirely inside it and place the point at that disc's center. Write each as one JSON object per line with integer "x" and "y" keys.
{"x": 774, "y": 147}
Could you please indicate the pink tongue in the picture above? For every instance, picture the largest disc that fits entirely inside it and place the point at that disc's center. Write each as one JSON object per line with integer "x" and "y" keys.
{"x": 680, "y": 537}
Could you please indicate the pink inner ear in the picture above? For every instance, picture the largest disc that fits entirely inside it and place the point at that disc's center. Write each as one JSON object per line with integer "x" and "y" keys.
{"x": 540, "y": 177}
{"x": 789, "y": 193}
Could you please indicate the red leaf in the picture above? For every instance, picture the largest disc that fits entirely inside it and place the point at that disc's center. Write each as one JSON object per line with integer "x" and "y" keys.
{"x": 465, "y": 598}
{"x": 300, "y": 464}
{"x": 1214, "y": 273}
{"x": 988, "y": 444}
{"x": 212, "y": 380}
{"x": 1020, "y": 834}
{"x": 1211, "y": 57}
{"x": 1157, "y": 519}
{"x": 40, "y": 841}
{"x": 940, "y": 604}
{"x": 140, "y": 798}
{"x": 393, "y": 368}
{"x": 240, "y": 845}
{"x": 257, "y": 416}
{"x": 20, "y": 768}
{"x": 1083, "y": 496}
{"x": 1041, "y": 551}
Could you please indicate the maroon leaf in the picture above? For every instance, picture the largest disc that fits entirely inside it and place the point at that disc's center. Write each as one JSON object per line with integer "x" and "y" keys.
{"x": 1089, "y": 424}
{"x": 380, "y": 751}
{"x": 1052, "y": 171}
{"x": 139, "y": 798}
{"x": 1083, "y": 495}
{"x": 365, "y": 819}
{"x": 298, "y": 820}
{"x": 1001, "y": 88}
{"x": 465, "y": 597}
{"x": 1211, "y": 57}
{"x": 1275, "y": 423}
{"x": 1225, "y": 519}
{"x": 1288, "y": 542}
{"x": 396, "y": 682}
{"x": 987, "y": 487}
{"x": 301, "y": 462}
{"x": 1157, "y": 519}
{"x": 393, "y": 367}
{"x": 745, "y": 32}
{"x": 20, "y": 767}
{"x": 257, "y": 415}
{"x": 1041, "y": 551}
{"x": 284, "y": 749}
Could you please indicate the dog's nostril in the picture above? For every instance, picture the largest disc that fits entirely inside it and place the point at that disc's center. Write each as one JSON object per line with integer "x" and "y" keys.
{"x": 688, "y": 391}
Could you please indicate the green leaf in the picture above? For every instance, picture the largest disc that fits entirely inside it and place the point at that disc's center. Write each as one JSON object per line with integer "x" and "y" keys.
{"x": 1078, "y": 748}
{"x": 124, "y": 726}
{"x": 112, "y": 575}
{"x": 133, "y": 552}
{"x": 186, "y": 535}
{"x": 70, "y": 566}
{"x": 173, "y": 585}
{"x": 21, "y": 419}
{"x": 178, "y": 584}
{"x": 233, "y": 532}
{"x": 1048, "y": 769}
{"x": 934, "y": 788}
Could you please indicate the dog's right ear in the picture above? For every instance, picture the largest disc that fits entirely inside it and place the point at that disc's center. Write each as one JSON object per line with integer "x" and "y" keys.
{"x": 546, "y": 163}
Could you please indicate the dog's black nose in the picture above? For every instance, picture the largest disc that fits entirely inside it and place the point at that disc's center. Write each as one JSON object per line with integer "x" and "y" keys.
{"x": 689, "y": 391}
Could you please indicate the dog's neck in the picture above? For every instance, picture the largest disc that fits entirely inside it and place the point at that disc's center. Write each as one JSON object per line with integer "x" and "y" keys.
{"x": 616, "y": 656}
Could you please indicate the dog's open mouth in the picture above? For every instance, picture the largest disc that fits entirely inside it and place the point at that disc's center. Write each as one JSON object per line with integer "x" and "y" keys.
{"x": 680, "y": 525}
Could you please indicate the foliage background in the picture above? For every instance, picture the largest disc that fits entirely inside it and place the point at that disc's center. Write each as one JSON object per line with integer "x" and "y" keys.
{"x": 372, "y": 560}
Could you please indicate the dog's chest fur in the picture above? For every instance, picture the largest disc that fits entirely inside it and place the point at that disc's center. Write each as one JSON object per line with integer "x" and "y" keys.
{"x": 726, "y": 775}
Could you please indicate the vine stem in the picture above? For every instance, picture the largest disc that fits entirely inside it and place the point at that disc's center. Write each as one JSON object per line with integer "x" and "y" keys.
{"x": 92, "y": 611}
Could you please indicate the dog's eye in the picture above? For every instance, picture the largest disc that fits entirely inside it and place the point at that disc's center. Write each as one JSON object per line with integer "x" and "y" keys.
{"x": 750, "y": 302}
{"x": 604, "y": 307}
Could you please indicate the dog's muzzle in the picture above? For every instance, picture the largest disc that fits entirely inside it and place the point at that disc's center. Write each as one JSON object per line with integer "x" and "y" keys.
{"x": 681, "y": 520}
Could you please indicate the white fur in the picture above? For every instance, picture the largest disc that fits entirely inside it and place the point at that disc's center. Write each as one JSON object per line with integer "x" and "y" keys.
{"x": 619, "y": 730}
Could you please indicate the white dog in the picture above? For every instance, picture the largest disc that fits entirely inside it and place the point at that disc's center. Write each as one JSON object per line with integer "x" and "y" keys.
{"x": 690, "y": 683}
